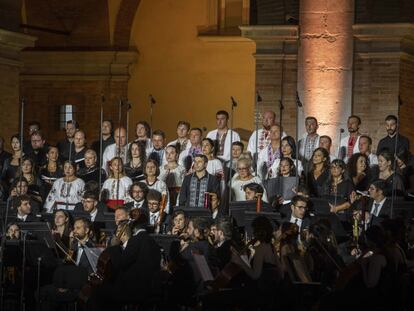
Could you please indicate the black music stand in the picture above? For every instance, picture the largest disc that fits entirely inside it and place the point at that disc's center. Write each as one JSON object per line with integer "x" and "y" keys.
{"x": 193, "y": 212}
{"x": 280, "y": 187}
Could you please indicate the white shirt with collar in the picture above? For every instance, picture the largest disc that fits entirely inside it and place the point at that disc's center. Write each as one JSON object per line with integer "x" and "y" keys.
{"x": 227, "y": 145}
{"x": 297, "y": 221}
{"x": 153, "y": 218}
{"x": 138, "y": 204}
{"x": 110, "y": 153}
{"x": 373, "y": 159}
{"x": 21, "y": 217}
{"x": 93, "y": 215}
{"x": 344, "y": 144}
{"x": 139, "y": 231}
{"x": 381, "y": 204}
{"x": 302, "y": 143}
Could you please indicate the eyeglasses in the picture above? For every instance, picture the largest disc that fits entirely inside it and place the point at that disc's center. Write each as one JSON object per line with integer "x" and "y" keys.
{"x": 153, "y": 203}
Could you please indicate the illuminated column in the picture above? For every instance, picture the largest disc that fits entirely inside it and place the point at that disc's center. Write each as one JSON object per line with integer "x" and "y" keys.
{"x": 325, "y": 63}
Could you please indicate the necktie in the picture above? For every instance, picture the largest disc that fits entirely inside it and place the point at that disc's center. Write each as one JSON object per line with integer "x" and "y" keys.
{"x": 153, "y": 219}
{"x": 375, "y": 211}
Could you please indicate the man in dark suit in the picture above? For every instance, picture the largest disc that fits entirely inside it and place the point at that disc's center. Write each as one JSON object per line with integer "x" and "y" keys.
{"x": 23, "y": 209}
{"x": 138, "y": 264}
{"x": 82, "y": 229}
{"x": 379, "y": 207}
{"x": 91, "y": 206}
{"x": 223, "y": 242}
{"x": 298, "y": 215}
{"x": 138, "y": 192}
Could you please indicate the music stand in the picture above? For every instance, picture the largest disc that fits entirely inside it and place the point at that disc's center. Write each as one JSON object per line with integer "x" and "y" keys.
{"x": 193, "y": 212}
{"x": 280, "y": 186}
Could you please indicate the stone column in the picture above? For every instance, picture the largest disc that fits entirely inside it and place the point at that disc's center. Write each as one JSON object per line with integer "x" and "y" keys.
{"x": 325, "y": 60}
{"x": 11, "y": 43}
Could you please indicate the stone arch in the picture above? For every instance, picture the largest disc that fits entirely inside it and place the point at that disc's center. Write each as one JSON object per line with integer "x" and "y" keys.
{"x": 124, "y": 21}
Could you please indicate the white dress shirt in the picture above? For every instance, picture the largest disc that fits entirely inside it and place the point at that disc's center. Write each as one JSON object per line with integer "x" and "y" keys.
{"x": 227, "y": 146}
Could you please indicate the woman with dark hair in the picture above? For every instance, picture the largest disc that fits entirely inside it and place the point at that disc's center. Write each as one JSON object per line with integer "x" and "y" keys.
{"x": 134, "y": 169}
{"x": 318, "y": 174}
{"x": 178, "y": 223}
{"x": 214, "y": 165}
{"x": 338, "y": 188}
{"x": 358, "y": 171}
{"x": 66, "y": 191}
{"x": 386, "y": 172}
{"x": 62, "y": 226}
{"x": 27, "y": 170}
{"x": 151, "y": 172}
{"x": 52, "y": 170}
{"x": 12, "y": 164}
{"x": 288, "y": 150}
{"x": 286, "y": 168}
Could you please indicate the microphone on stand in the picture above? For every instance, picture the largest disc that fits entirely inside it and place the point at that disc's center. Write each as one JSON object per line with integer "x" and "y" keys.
{"x": 258, "y": 97}
{"x": 298, "y": 102}
{"x": 152, "y": 99}
{"x": 341, "y": 150}
{"x": 233, "y": 101}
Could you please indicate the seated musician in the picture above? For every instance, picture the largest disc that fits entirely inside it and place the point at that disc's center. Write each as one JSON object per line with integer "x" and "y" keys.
{"x": 66, "y": 191}
{"x": 172, "y": 173}
{"x": 121, "y": 214}
{"x": 156, "y": 215}
{"x": 179, "y": 223}
{"x": 23, "y": 209}
{"x": 138, "y": 261}
{"x": 13, "y": 232}
{"x": 216, "y": 210}
{"x": 138, "y": 192}
{"x": 254, "y": 192}
{"x": 115, "y": 189}
{"x": 81, "y": 238}
{"x": 91, "y": 170}
{"x": 298, "y": 215}
{"x": 378, "y": 206}
{"x": 61, "y": 229}
{"x": 19, "y": 187}
{"x": 90, "y": 204}
{"x": 195, "y": 185}
{"x": 222, "y": 241}
{"x": 264, "y": 267}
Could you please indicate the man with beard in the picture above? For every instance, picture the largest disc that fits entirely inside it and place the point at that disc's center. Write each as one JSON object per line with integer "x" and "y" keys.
{"x": 388, "y": 142}
{"x": 350, "y": 144}
{"x": 310, "y": 141}
{"x": 91, "y": 170}
{"x": 157, "y": 152}
{"x": 39, "y": 149}
{"x": 186, "y": 157}
{"x": 107, "y": 138}
{"x": 119, "y": 148}
{"x": 66, "y": 146}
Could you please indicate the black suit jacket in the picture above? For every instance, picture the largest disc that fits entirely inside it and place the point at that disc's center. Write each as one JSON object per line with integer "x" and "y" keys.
{"x": 385, "y": 212}
{"x": 130, "y": 205}
{"x": 83, "y": 262}
{"x": 137, "y": 264}
{"x": 29, "y": 218}
{"x": 306, "y": 221}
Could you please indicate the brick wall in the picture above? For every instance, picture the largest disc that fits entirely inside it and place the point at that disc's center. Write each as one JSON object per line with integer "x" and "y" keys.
{"x": 407, "y": 98}
{"x": 375, "y": 93}
{"x": 45, "y": 97}
{"x": 268, "y": 83}
{"x": 9, "y": 102}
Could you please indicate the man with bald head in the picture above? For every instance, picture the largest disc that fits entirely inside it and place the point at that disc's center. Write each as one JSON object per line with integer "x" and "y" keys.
{"x": 269, "y": 118}
{"x": 119, "y": 148}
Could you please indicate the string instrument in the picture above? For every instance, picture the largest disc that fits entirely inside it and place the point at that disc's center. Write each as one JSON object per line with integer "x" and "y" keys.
{"x": 104, "y": 268}
{"x": 259, "y": 202}
{"x": 163, "y": 205}
{"x": 231, "y": 269}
